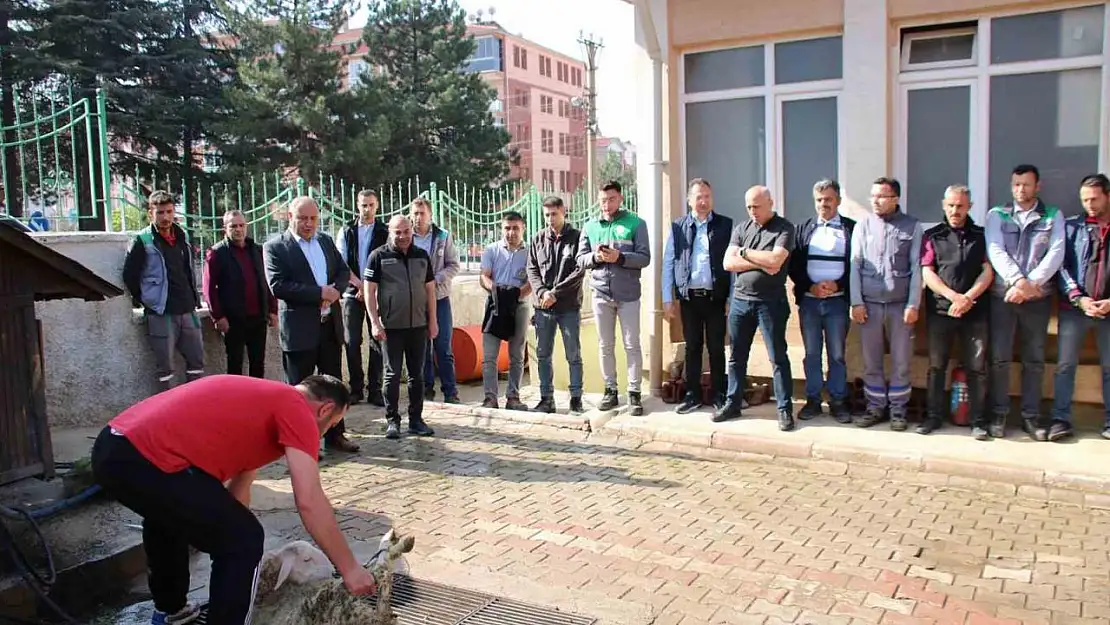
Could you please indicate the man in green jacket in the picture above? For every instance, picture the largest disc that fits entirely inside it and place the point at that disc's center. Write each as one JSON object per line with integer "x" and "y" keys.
{"x": 614, "y": 248}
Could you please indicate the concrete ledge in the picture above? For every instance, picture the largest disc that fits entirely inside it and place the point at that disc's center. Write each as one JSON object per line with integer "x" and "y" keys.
{"x": 572, "y": 422}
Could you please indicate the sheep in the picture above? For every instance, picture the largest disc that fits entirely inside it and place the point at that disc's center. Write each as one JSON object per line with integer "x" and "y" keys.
{"x": 314, "y": 595}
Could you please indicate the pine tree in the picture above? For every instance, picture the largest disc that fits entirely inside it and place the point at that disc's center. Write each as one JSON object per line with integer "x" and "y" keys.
{"x": 440, "y": 114}
{"x": 291, "y": 113}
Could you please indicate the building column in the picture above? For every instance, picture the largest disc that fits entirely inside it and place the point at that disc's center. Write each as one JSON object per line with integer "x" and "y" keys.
{"x": 866, "y": 100}
{"x": 651, "y": 168}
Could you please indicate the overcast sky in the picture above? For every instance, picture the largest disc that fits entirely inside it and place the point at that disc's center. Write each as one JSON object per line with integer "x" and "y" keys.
{"x": 557, "y": 24}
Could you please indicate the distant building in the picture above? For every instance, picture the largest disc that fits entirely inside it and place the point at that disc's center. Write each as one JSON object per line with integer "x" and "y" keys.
{"x": 606, "y": 146}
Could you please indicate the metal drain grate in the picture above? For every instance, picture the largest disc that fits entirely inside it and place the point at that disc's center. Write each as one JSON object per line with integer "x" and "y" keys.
{"x": 419, "y": 602}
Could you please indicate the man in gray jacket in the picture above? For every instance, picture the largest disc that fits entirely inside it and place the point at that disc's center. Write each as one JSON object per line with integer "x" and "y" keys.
{"x": 614, "y": 249}
{"x": 1025, "y": 244}
{"x": 440, "y": 247}
{"x": 399, "y": 289}
{"x": 885, "y": 291}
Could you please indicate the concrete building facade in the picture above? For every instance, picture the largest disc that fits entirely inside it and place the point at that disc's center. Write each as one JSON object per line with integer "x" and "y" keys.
{"x": 933, "y": 92}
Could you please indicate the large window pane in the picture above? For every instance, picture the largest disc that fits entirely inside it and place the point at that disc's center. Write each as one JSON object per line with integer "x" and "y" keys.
{"x": 724, "y": 69}
{"x": 938, "y": 129}
{"x": 809, "y": 153}
{"x": 1050, "y": 120}
{"x": 812, "y": 59}
{"x": 1052, "y": 35}
{"x": 726, "y": 143}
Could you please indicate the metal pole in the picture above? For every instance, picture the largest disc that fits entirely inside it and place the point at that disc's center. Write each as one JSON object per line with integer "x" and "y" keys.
{"x": 591, "y": 47}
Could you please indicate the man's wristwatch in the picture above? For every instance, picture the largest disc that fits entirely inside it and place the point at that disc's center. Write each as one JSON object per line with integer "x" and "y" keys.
{"x": 744, "y": 253}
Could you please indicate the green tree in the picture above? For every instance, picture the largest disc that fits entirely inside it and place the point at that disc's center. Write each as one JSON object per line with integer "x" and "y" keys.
{"x": 441, "y": 125}
{"x": 614, "y": 169}
{"x": 291, "y": 112}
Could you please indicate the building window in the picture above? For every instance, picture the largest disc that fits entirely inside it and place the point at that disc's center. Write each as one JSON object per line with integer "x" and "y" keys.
{"x": 562, "y": 144}
{"x": 763, "y": 114}
{"x": 547, "y": 104}
{"x": 936, "y": 49}
{"x": 524, "y": 58}
{"x": 547, "y": 141}
{"x": 1035, "y": 96}
{"x": 516, "y": 56}
{"x": 562, "y": 180}
{"x": 547, "y": 66}
{"x": 576, "y": 77}
{"x": 486, "y": 56}
{"x": 543, "y": 66}
{"x": 357, "y": 73}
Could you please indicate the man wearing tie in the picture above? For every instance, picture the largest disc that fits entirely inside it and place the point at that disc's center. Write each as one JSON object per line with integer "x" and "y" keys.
{"x": 306, "y": 272}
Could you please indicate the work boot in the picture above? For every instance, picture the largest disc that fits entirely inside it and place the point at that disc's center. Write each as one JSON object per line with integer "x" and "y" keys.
{"x": 341, "y": 443}
{"x": 637, "y": 405}
{"x": 871, "y": 417}
{"x": 786, "y": 420}
{"x": 546, "y": 405}
{"x": 393, "y": 428}
{"x": 489, "y": 402}
{"x": 417, "y": 427}
{"x": 898, "y": 421}
{"x": 840, "y": 411}
{"x": 688, "y": 405}
{"x": 998, "y": 425}
{"x": 811, "y": 409}
{"x": 929, "y": 425}
{"x": 576, "y": 405}
{"x": 730, "y": 410}
{"x": 1035, "y": 427}
{"x": 514, "y": 403}
{"x": 610, "y": 401}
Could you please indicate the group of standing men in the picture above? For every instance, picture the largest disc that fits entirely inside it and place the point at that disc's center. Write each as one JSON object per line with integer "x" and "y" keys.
{"x": 981, "y": 286}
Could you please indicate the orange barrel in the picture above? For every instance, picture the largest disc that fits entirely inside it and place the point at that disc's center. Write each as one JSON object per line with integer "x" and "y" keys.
{"x": 466, "y": 344}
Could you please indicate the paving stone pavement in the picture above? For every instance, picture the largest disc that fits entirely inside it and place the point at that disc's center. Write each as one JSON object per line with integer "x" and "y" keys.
{"x": 568, "y": 519}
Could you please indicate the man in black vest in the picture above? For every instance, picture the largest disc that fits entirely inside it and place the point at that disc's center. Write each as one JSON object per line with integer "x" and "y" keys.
{"x": 819, "y": 269}
{"x": 693, "y": 270}
{"x": 239, "y": 299}
{"x": 356, "y": 240}
{"x": 956, "y": 272}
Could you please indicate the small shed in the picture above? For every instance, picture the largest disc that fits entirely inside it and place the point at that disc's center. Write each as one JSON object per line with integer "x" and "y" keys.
{"x": 30, "y": 272}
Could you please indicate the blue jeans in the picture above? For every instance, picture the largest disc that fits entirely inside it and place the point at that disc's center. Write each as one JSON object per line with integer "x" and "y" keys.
{"x": 569, "y": 323}
{"x": 444, "y": 357}
{"x": 1073, "y": 326}
{"x": 824, "y": 323}
{"x": 744, "y": 316}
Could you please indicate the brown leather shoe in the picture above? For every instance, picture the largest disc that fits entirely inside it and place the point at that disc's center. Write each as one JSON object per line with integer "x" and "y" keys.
{"x": 341, "y": 443}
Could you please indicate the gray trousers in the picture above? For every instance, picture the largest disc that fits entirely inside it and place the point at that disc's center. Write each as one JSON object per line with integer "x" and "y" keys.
{"x": 491, "y": 347}
{"x": 888, "y": 318}
{"x": 175, "y": 333}
{"x": 606, "y": 313}
{"x": 1030, "y": 320}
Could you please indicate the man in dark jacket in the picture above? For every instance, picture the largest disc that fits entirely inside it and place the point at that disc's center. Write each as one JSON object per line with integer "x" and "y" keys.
{"x": 956, "y": 271}
{"x": 305, "y": 272}
{"x": 819, "y": 271}
{"x": 556, "y": 281}
{"x": 239, "y": 300}
{"x": 693, "y": 270}
{"x": 356, "y": 241}
{"x": 158, "y": 271}
{"x": 400, "y": 295}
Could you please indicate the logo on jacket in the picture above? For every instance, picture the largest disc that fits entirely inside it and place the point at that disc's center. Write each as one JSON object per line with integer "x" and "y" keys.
{"x": 622, "y": 231}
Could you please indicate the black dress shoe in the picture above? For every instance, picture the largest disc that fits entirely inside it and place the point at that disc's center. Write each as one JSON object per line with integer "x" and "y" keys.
{"x": 928, "y": 426}
{"x": 786, "y": 421}
{"x": 417, "y": 427}
{"x": 730, "y": 410}
{"x": 811, "y": 409}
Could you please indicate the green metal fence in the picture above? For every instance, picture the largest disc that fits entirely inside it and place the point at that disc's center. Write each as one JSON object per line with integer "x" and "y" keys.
{"x": 49, "y": 163}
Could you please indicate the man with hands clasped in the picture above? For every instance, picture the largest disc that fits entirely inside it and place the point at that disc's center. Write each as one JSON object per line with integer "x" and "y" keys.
{"x": 399, "y": 288}
{"x": 1085, "y": 300}
{"x": 955, "y": 269}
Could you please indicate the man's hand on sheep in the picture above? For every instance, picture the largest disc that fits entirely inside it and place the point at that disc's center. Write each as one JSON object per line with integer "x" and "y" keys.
{"x": 359, "y": 582}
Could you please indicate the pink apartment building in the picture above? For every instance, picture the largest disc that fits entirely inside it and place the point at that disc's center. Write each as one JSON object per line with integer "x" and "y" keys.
{"x": 534, "y": 86}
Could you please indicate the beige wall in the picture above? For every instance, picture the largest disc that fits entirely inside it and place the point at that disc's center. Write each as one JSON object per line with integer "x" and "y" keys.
{"x": 703, "y": 23}
{"x": 906, "y": 10}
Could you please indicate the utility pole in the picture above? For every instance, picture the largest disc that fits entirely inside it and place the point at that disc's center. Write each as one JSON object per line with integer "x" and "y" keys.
{"x": 592, "y": 46}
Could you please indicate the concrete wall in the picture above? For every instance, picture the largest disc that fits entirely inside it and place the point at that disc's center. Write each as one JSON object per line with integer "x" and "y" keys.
{"x": 97, "y": 359}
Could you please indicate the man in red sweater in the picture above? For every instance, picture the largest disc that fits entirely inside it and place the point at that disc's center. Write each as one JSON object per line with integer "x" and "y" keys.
{"x": 169, "y": 457}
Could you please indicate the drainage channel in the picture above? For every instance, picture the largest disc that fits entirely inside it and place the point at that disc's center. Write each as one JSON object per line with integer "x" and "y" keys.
{"x": 420, "y": 602}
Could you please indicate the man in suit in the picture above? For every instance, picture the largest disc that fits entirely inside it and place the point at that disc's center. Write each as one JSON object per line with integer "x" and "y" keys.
{"x": 239, "y": 300}
{"x": 306, "y": 272}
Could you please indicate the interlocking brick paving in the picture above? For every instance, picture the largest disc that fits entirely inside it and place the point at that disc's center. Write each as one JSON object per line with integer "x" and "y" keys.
{"x": 681, "y": 540}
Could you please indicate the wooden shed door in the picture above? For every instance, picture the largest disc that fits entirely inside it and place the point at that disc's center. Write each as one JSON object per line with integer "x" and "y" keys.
{"x": 22, "y": 413}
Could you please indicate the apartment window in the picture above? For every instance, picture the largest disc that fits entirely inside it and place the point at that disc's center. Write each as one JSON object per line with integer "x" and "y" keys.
{"x": 543, "y": 66}
{"x": 486, "y": 56}
{"x": 357, "y": 73}
{"x": 562, "y": 180}
{"x": 547, "y": 141}
{"x": 523, "y": 58}
{"x": 559, "y": 69}
{"x": 516, "y": 56}
{"x": 763, "y": 114}
{"x": 576, "y": 77}
{"x": 547, "y": 104}
{"x": 562, "y": 144}
{"x": 547, "y": 66}
{"x": 1036, "y": 96}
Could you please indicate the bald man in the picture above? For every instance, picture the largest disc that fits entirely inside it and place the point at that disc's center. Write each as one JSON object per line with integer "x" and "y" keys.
{"x": 307, "y": 274}
{"x": 399, "y": 288}
{"x": 758, "y": 254}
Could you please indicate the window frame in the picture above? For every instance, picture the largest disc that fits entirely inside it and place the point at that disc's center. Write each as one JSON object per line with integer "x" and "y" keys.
{"x": 908, "y": 39}
{"x": 771, "y": 94}
{"x": 980, "y": 74}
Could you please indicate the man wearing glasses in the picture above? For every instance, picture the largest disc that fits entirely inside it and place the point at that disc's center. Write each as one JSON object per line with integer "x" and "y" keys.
{"x": 239, "y": 299}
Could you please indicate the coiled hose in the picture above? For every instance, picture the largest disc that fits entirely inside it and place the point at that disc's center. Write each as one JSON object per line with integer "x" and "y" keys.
{"x": 39, "y": 582}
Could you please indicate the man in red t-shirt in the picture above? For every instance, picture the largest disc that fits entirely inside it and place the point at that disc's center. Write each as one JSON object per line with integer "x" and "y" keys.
{"x": 169, "y": 457}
